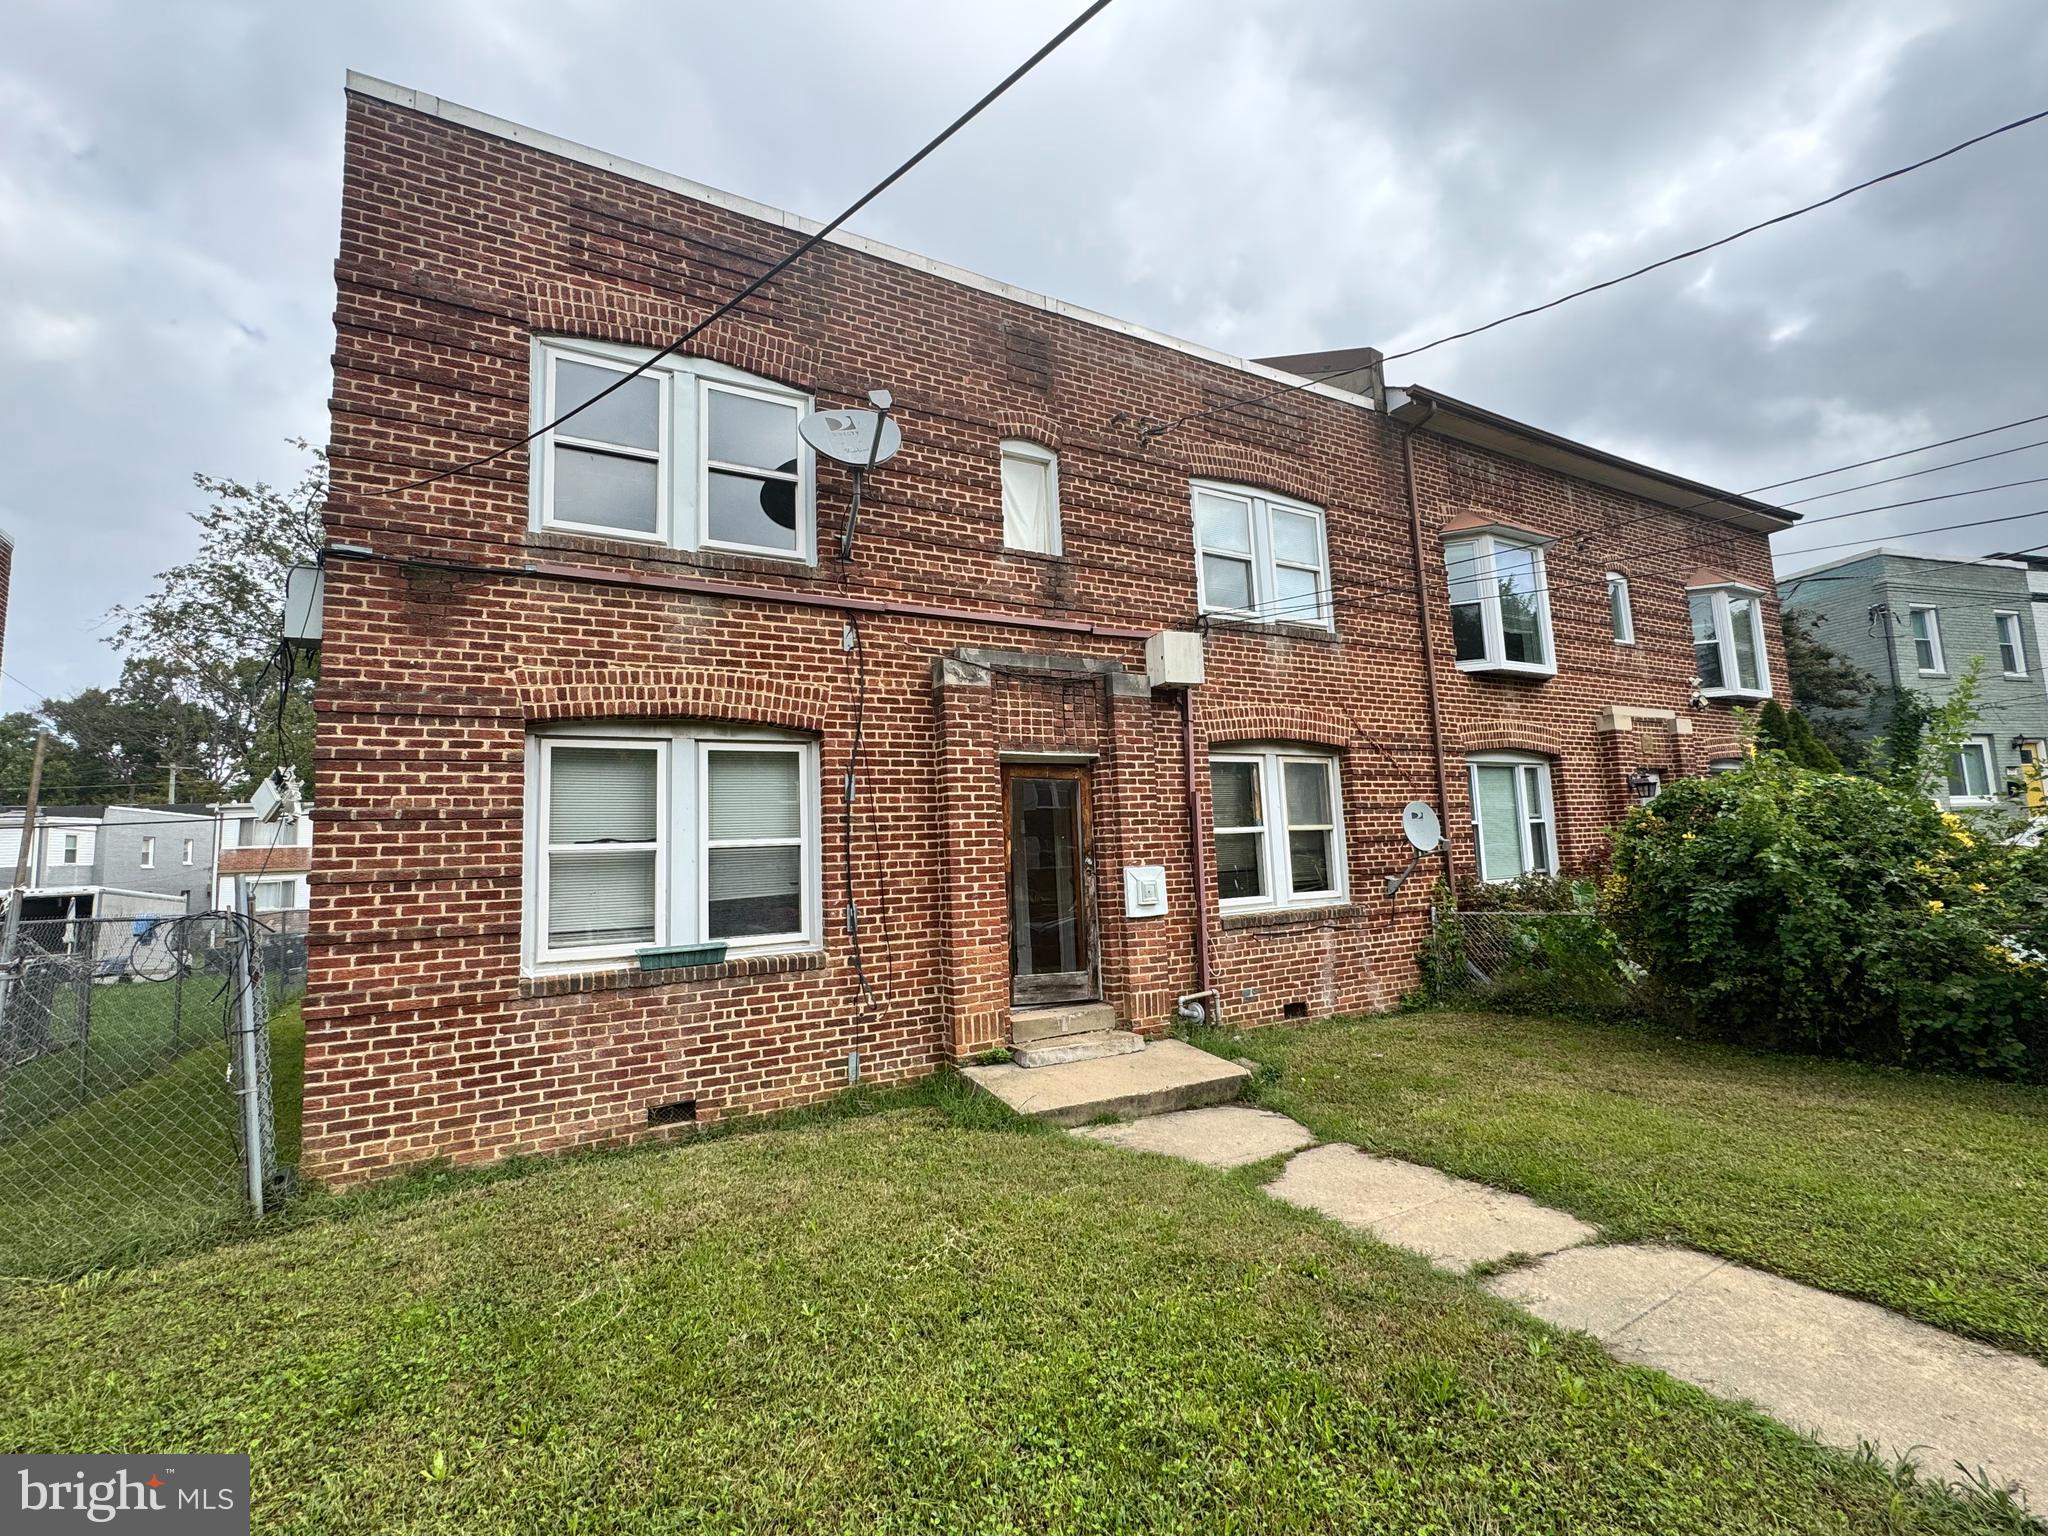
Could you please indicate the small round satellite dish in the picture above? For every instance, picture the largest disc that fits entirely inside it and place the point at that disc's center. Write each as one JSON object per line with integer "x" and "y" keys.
{"x": 849, "y": 436}
{"x": 1419, "y": 823}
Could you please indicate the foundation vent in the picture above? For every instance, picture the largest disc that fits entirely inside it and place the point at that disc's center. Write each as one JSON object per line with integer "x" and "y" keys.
{"x": 681, "y": 1112}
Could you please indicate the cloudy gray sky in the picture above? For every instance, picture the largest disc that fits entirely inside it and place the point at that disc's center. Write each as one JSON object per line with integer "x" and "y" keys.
{"x": 1264, "y": 178}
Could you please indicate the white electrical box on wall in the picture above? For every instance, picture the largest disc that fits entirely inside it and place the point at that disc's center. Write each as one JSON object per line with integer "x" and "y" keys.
{"x": 1144, "y": 890}
{"x": 1173, "y": 659}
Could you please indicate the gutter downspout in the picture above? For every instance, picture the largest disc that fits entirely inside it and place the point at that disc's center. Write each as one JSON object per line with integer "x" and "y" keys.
{"x": 1198, "y": 857}
{"x": 1436, "y": 721}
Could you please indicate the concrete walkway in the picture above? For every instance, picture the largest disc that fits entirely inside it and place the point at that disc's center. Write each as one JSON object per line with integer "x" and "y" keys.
{"x": 1844, "y": 1371}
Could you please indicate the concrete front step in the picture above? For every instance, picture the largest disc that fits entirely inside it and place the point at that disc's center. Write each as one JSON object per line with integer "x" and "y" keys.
{"x": 1165, "y": 1076}
{"x": 1092, "y": 1045}
{"x": 1029, "y": 1024}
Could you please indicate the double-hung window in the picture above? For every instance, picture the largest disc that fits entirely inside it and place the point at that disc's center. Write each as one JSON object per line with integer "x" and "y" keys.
{"x": 1500, "y": 603}
{"x": 1619, "y": 614}
{"x": 652, "y": 837}
{"x": 1512, "y": 827}
{"x": 1258, "y": 556}
{"x": 690, "y": 454}
{"x": 1279, "y": 828}
{"x": 188, "y": 851}
{"x": 149, "y": 853}
{"x": 1031, "y": 498}
{"x": 1972, "y": 773}
{"x": 1924, "y": 624}
{"x": 2012, "y": 649}
{"x": 1728, "y": 642}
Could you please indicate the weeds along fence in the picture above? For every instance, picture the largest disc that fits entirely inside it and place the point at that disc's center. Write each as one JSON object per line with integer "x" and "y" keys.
{"x": 135, "y": 1084}
{"x": 1537, "y": 960}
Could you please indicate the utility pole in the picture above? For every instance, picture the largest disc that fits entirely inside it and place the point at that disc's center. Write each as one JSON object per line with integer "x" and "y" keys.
{"x": 10, "y": 939}
{"x": 171, "y": 794}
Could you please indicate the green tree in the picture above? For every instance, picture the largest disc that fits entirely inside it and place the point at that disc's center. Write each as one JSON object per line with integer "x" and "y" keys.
{"x": 203, "y": 647}
{"x": 1832, "y": 692}
{"x": 18, "y": 734}
{"x": 1924, "y": 735}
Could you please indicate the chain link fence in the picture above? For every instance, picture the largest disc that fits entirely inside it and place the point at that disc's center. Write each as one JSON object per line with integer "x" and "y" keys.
{"x": 135, "y": 1084}
{"x": 1536, "y": 960}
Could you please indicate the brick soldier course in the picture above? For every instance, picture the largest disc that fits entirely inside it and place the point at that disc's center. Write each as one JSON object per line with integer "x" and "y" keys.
{"x": 455, "y": 630}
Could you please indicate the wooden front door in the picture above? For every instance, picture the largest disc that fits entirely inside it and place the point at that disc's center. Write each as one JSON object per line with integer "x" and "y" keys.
{"x": 1051, "y": 889}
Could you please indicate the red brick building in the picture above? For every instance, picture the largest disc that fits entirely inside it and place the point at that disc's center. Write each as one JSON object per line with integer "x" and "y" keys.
{"x": 593, "y": 708}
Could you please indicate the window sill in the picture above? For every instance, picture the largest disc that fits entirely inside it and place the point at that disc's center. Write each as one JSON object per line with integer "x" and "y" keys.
{"x": 1035, "y": 556}
{"x": 1242, "y": 624}
{"x": 620, "y": 978}
{"x": 1508, "y": 669}
{"x": 1735, "y": 695}
{"x": 1291, "y": 917}
{"x": 708, "y": 559}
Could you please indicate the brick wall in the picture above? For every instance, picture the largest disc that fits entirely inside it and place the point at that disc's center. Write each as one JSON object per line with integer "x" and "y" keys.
{"x": 426, "y": 1039}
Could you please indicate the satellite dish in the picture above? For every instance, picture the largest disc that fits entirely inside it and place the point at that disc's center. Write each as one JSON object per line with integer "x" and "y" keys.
{"x": 860, "y": 438}
{"x": 1418, "y": 822}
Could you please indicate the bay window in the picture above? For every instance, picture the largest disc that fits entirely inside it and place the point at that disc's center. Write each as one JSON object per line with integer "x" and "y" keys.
{"x": 1728, "y": 642}
{"x": 690, "y": 454}
{"x": 1500, "y": 603}
{"x": 1259, "y": 556}
{"x": 1512, "y": 826}
{"x": 645, "y": 837}
{"x": 1278, "y": 821}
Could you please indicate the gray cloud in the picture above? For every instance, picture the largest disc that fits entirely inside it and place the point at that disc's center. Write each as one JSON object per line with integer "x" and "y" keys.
{"x": 1262, "y": 179}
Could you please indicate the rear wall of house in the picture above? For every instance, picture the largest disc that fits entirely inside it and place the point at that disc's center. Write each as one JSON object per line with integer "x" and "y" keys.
{"x": 428, "y": 1037}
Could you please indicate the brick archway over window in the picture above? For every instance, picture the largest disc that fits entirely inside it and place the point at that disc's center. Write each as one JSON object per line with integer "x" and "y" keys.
{"x": 1274, "y": 722}
{"x": 595, "y": 693}
{"x": 570, "y": 309}
{"x": 1507, "y": 739}
{"x": 1255, "y": 467}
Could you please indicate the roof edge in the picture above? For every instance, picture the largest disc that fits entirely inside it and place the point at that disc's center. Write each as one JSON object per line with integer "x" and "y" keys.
{"x": 582, "y": 154}
{"x": 1417, "y": 405}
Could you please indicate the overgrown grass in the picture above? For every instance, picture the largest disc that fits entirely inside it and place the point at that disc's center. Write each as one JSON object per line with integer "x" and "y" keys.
{"x": 1925, "y": 1194}
{"x": 890, "y": 1319}
{"x": 143, "y": 1171}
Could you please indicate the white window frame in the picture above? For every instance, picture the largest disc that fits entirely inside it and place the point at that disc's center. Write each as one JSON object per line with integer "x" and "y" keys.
{"x": 1932, "y": 639}
{"x": 71, "y": 844}
{"x": 707, "y": 747}
{"x": 188, "y": 850}
{"x": 149, "y": 853}
{"x": 682, "y": 889}
{"x": 1530, "y": 769}
{"x": 1722, "y": 599}
{"x": 1621, "y": 616}
{"x": 1989, "y": 748}
{"x": 682, "y": 482}
{"x": 289, "y": 903}
{"x": 2000, "y": 619}
{"x": 1036, "y": 453}
{"x": 1276, "y": 868}
{"x": 1267, "y": 607}
{"x": 1479, "y": 567}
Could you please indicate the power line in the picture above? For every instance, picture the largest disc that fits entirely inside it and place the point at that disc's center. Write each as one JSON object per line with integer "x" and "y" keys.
{"x": 1932, "y": 469}
{"x": 1157, "y": 430}
{"x": 1917, "y": 501}
{"x": 802, "y": 249}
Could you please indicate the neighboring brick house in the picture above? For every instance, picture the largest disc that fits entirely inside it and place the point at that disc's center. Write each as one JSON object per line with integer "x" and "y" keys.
{"x": 602, "y": 697}
{"x": 273, "y": 858}
{"x": 1916, "y": 622}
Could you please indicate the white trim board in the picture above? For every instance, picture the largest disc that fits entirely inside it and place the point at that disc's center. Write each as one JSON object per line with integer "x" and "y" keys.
{"x": 582, "y": 154}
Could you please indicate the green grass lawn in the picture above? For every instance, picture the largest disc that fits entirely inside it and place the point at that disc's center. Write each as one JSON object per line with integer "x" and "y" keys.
{"x": 134, "y": 1031}
{"x": 1925, "y": 1194}
{"x": 916, "y": 1319}
{"x": 144, "y": 1169}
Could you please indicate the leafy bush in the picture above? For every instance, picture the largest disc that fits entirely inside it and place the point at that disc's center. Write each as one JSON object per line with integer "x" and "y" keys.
{"x": 1793, "y": 910}
{"x": 1536, "y": 945}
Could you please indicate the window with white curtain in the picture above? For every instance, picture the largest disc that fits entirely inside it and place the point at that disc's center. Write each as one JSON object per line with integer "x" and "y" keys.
{"x": 1619, "y": 614}
{"x": 1031, "y": 497}
{"x": 690, "y": 454}
{"x": 648, "y": 837}
{"x": 1512, "y": 826}
{"x": 1728, "y": 642}
{"x": 1278, "y": 821}
{"x": 1500, "y": 604}
{"x": 1260, "y": 556}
